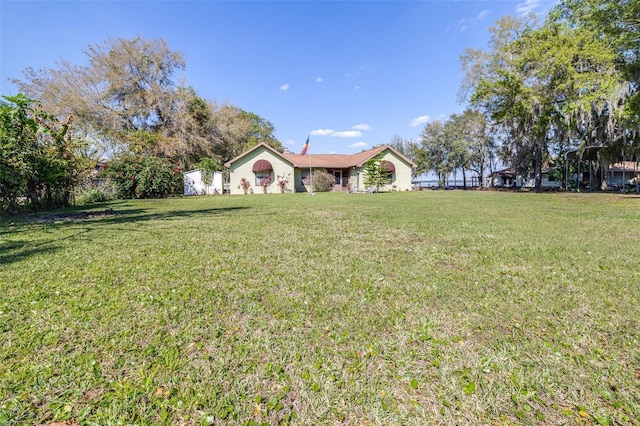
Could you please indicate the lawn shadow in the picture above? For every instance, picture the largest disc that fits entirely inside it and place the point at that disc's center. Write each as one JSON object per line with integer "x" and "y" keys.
{"x": 142, "y": 215}
{"x": 17, "y": 250}
{"x": 14, "y": 250}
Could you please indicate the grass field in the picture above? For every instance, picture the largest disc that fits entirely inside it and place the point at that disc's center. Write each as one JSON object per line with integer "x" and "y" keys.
{"x": 439, "y": 307}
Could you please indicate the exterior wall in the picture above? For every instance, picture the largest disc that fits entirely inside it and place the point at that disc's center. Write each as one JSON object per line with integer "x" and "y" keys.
{"x": 354, "y": 179}
{"x": 297, "y": 181}
{"x": 401, "y": 176}
{"x": 545, "y": 183}
{"x": 193, "y": 184}
{"x": 242, "y": 168}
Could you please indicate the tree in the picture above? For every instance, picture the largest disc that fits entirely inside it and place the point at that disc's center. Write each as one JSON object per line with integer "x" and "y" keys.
{"x": 435, "y": 149}
{"x": 126, "y": 100}
{"x": 538, "y": 81}
{"x": 617, "y": 23}
{"x": 37, "y": 159}
{"x": 409, "y": 148}
{"x": 375, "y": 173}
{"x": 208, "y": 167}
{"x": 615, "y": 123}
{"x": 235, "y": 131}
{"x": 127, "y": 87}
{"x": 477, "y": 144}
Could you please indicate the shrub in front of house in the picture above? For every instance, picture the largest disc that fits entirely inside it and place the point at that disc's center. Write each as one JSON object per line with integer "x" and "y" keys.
{"x": 264, "y": 183}
{"x": 245, "y": 185}
{"x": 323, "y": 181}
{"x": 283, "y": 182}
{"x": 141, "y": 176}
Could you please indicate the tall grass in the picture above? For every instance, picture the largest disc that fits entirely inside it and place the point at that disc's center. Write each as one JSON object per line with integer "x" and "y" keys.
{"x": 402, "y": 308}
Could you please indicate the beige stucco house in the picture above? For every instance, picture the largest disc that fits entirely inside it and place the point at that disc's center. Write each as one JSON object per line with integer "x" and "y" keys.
{"x": 262, "y": 161}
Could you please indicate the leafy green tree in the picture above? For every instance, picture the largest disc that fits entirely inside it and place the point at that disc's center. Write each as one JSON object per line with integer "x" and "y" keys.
{"x": 208, "y": 167}
{"x": 615, "y": 124}
{"x": 536, "y": 81}
{"x": 474, "y": 141}
{"x": 144, "y": 176}
{"x": 409, "y": 148}
{"x": 375, "y": 173}
{"x": 235, "y": 131}
{"x": 435, "y": 151}
{"x": 616, "y": 23}
{"x": 37, "y": 159}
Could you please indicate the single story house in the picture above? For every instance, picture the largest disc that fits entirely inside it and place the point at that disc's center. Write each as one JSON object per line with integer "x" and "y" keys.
{"x": 506, "y": 178}
{"x": 548, "y": 179}
{"x": 264, "y": 163}
{"x": 621, "y": 175}
{"x": 193, "y": 184}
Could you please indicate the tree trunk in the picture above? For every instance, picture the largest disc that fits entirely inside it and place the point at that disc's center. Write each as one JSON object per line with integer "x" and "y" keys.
{"x": 538, "y": 169}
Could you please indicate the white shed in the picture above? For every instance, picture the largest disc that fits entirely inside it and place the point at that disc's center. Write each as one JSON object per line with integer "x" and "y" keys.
{"x": 193, "y": 183}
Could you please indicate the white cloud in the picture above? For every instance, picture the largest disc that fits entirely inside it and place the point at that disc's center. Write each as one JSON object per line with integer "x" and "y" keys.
{"x": 289, "y": 142}
{"x": 357, "y": 88}
{"x": 336, "y": 134}
{"x": 527, "y": 7}
{"x": 362, "y": 126}
{"x": 419, "y": 120}
{"x": 322, "y": 132}
{"x": 347, "y": 134}
{"x": 358, "y": 145}
{"x": 319, "y": 80}
{"x": 481, "y": 15}
{"x": 285, "y": 87}
{"x": 464, "y": 23}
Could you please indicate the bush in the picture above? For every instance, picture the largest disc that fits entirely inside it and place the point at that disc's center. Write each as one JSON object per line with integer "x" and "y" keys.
{"x": 323, "y": 181}
{"x": 38, "y": 165}
{"x": 95, "y": 191}
{"x": 141, "y": 176}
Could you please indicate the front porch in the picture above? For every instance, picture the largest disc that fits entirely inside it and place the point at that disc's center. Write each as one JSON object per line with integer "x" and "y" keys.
{"x": 341, "y": 179}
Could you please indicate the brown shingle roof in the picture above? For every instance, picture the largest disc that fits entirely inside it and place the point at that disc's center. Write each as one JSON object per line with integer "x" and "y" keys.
{"x": 338, "y": 161}
{"x": 334, "y": 161}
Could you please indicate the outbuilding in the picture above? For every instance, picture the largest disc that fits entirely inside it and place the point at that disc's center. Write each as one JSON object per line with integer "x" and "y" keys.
{"x": 193, "y": 184}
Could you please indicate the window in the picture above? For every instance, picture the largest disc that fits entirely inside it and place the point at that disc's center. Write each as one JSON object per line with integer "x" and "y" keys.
{"x": 389, "y": 177}
{"x": 390, "y": 168}
{"x": 262, "y": 168}
{"x": 262, "y": 175}
{"x": 304, "y": 177}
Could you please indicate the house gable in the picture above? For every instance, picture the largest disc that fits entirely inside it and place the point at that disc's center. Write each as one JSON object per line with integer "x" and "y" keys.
{"x": 256, "y": 163}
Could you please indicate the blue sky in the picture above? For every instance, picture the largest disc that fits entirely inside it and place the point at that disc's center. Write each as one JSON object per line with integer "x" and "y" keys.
{"x": 352, "y": 74}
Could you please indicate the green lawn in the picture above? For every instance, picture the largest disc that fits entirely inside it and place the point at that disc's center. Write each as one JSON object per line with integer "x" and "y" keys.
{"x": 436, "y": 307}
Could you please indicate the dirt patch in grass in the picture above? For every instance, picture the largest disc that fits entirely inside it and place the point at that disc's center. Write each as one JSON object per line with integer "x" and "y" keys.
{"x": 74, "y": 216}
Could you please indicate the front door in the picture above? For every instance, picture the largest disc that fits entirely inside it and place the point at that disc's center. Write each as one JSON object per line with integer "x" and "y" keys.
{"x": 337, "y": 185}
